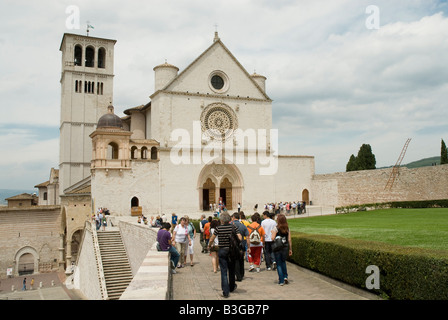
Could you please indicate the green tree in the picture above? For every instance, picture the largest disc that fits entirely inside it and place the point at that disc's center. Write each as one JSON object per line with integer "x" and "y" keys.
{"x": 365, "y": 160}
{"x": 443, "y": 153}
{"x": 351, "y": 164}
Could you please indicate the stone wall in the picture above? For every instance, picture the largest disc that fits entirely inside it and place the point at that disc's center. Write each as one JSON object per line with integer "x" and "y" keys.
{"x": 368, "y": 186}
{"x": 34, "y": 230}
{"x": 85, "y": 276}
{"x": 137, "y": 239}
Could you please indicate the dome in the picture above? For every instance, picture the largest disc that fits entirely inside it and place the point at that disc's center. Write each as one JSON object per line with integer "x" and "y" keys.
{"x": 110, "y": 119}
{"x": 166, "y": 65}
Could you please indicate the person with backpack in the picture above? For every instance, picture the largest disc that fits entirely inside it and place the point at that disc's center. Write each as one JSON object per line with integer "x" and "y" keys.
{"x": 239, "y": 265}
{"x": 225, "y": 232}
{"x": 282, "y": 231}
{"x": 256, "y": 239}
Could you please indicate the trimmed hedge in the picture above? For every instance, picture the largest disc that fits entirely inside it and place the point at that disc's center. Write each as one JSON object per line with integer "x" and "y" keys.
{"x": 405, "y": 273}
{"x": 441, "y": 203}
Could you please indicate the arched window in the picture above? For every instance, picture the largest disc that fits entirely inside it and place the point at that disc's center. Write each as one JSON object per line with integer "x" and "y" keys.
{"x": 112, "y": 151}
{"x": 133, "y": 152}
{"x": 90, "y": 56}
{"x": 153, "y": 153}
{"x": 78, "y": 55}
{"x": 134, "y": 202}
{"x": 144, "y": 153}
{"x": 102, "y": 58}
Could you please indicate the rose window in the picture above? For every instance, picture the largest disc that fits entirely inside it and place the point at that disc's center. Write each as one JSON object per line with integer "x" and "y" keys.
{"x": 218, "y": 121}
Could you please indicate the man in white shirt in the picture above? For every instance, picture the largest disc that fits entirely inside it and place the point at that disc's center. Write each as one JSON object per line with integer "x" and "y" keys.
{"x": 268, "y": 224}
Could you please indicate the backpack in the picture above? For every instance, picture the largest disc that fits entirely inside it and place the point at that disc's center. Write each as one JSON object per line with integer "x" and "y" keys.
{"x": 235, "y": 249}
{"x": 254, "y": 237}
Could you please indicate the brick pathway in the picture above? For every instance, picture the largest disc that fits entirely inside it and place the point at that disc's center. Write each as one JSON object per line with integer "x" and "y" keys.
{"x": 201, "y": 283}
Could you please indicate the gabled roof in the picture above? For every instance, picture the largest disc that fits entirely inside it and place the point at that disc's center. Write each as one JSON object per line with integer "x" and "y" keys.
{"x": 22, "y": 196}
{"x": 217, "y": 42}
{"x": 82, "y": 187}
{"x": 43, "y": 184}
{"x": 142, "y": 107}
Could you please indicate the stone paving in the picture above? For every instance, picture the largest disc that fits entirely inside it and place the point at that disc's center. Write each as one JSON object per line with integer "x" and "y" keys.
{"x": 199, "y": 282}
{"x": 52, "y": 288}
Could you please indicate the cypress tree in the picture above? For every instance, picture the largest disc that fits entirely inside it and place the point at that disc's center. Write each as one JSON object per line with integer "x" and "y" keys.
{"x": 443, "y": 153}
{"x": 364, "y": 161}
{"x": 351, "y": 164}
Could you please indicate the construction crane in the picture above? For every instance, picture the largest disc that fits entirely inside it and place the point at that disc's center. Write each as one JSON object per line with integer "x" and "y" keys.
{"x": 396, "y": 167}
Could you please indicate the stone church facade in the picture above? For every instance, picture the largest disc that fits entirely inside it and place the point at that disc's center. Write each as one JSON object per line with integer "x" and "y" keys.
{"x": 204, "y": 138}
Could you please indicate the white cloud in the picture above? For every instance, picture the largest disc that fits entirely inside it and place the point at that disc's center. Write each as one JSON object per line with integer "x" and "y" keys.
{"x": 335, "y": 84}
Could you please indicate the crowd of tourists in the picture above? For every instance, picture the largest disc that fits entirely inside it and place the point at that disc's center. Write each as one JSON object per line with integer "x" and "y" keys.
{"x": 231, "y": 241}
{"x": 287, "y": 208}
{"x": 155, "y": 222}
{"x": 101, "y": 218}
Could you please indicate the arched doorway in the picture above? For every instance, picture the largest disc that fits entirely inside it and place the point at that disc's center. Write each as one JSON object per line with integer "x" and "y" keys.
{"x": 225, "y": 193}
{"x": 306, "y": 196}
{"x": 136, "y": 210}
{"x": 208, "y": 194}
{"x": 27, "y": 261}
{"x": 26, "y": 264}
{"x": 217, "y": 181}
{"x": 75, "y": 243}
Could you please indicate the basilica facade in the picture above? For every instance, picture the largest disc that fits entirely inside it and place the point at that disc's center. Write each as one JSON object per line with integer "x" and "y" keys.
{"x": 204, "y": 138}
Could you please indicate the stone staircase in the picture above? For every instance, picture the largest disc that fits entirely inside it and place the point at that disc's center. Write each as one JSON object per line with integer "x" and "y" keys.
{"x": 117, "y": 271}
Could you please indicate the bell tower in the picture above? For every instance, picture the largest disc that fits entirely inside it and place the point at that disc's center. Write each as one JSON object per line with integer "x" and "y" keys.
{"x": 86, "y": 92}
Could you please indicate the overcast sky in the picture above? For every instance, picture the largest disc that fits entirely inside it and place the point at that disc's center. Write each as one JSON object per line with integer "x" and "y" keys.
{"x": 336, "y": 81}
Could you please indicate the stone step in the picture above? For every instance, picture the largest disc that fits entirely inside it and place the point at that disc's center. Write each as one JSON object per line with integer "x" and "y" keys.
{"x": 116, "y": 268}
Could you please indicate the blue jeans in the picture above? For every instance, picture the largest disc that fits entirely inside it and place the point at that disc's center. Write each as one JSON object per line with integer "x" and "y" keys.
{"x": 227, "y": 271}
{"x": 280, "y": 259}
{"x": 174, "y": 255}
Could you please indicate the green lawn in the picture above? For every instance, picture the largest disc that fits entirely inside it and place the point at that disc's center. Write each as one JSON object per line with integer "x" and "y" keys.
{"x": 424, "y": 228}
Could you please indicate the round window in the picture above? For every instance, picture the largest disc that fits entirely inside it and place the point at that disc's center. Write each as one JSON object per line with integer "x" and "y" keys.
{"x": 217, "y": 82}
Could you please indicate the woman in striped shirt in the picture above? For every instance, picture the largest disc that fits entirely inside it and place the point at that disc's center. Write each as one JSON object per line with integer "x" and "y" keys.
{"x": 226, "y": 265}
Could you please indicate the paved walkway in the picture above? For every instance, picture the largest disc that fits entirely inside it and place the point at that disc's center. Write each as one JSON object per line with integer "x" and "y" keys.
{"x": 201, "y": 283}
{"x": 52, "y": 288}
